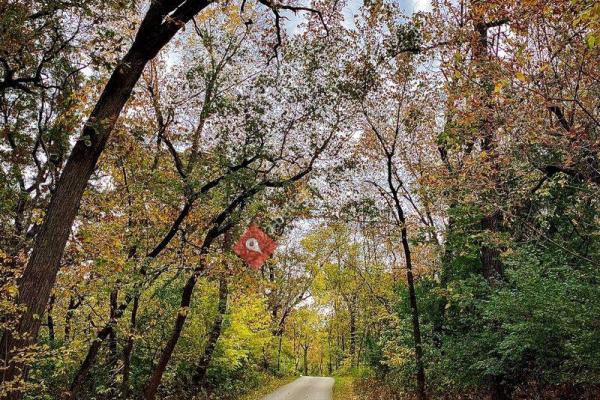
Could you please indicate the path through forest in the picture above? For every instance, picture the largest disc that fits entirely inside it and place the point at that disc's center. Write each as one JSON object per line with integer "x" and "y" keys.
{"x": 305, "y": 388}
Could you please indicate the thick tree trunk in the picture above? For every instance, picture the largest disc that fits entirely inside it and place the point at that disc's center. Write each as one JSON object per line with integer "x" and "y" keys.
{"x": 199, "y": 378}
{"x": 491, "y": 222}
{"x": 40, "y": 272}
{"x": 492, "y": 269}
{"x": 491, "y": 263}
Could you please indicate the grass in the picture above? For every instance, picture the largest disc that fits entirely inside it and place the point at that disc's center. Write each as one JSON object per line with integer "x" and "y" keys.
{"x": 270, "y": 384}
{"x": 343, "y": 388}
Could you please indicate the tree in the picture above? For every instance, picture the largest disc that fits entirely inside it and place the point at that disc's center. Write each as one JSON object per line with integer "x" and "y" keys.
{"x": 160, "y": 24}
{"x": 40, "y": 273}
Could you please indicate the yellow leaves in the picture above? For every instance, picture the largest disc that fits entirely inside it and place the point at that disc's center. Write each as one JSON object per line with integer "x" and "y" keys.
{"x": 206, "y": 15}
{"x": 498, "y": 87}
{"x": 231, "y": 12}
{"x": 12, "y": 290}
{"x": 183, "y": 311}
{"x": 592, "y": 40}
{"x": 503, "y": 83}
{"x": 590, "y": 17}
{"x": 234, "y": 18}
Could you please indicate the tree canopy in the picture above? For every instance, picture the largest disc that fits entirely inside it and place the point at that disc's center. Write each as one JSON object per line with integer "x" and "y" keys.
{"x": 430, "y": 174}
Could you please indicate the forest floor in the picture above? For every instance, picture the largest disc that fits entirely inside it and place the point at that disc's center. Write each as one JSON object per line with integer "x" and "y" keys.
{"x": 344, "y": 388}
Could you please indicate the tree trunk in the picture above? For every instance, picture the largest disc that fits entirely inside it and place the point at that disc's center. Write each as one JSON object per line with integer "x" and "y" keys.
{"x": 112, "y": 337}
{"x": 69, "y": 315}
{"x": 40, "y": 272}
{"x": 352, "y": 348}
{"x": 85, "y": 368}
{"x": 421, "y": 390}
{"x": 51, "y": 334}
{"x": 186, "y": 299}
{"x": 117, "y": 312}
{"x": 128, "y": 349}
{"x": 491, "y": 262}
{"x": 219, "y": 227}
{"x": 305, "y": 358}
{"x": 87, "y": 365}
{"x": 330, "y": 361}
{"x": 279, "y": 343}
{"x": 199, "y": 378}
{"x": 421, "y": 393}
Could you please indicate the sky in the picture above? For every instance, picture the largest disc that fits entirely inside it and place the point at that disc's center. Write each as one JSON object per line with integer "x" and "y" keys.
{"x": 409, "y": 6}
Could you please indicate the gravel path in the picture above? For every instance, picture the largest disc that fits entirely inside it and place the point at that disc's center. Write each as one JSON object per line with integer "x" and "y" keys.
{"x": 304, "y": 388}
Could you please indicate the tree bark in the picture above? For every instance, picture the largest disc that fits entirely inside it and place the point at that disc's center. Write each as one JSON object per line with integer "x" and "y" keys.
{"x": 85, "y": 368}
{"x": 492, "y": 269}
{"x": 73, "y": 305}
{"x": 421, "y": 389}
{"x": 352, "y": 347}
{"x": 186, "y": 299}
{"x": 88, "y": 363}
{"x": 199, "y": 378}
{"x": 128, "y": 349}
{"x": 279, "y": 344}
{"x": 40, "y": 272}
{"x": 421, "y": 393}
{"x": 219, "y": 227}
{"x": 112, "y": 337}
{"x": 90, "y": 359}
{"x": 305, "y": 358}
{"x": 51, "y": 334}
{"x": 491, "y": 263}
